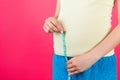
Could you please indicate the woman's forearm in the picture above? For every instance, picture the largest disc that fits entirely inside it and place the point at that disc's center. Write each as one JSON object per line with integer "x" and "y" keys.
{"x": 109, "y": 42}
{"x": 112, "y": 40}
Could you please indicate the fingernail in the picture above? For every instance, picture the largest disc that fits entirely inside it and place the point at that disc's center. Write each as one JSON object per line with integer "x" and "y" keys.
{"x": 61, "y": 31}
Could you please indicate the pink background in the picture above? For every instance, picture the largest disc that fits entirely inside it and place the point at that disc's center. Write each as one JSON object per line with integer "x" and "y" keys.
{"x": 25, "y": 49}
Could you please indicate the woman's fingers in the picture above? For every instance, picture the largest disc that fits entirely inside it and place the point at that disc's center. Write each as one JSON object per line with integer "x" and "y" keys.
{"x": 73, "y": 73}
{"x": 47, "y": 29}
{"x": 52, "y": 25}
{"x": 70, "y": 66}
{"x": 56, "y": 24}
{"x": 72, "y": 69}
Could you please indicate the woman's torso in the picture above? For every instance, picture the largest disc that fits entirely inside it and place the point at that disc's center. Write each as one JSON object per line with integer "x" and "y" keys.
{"x": 87, "y": 22}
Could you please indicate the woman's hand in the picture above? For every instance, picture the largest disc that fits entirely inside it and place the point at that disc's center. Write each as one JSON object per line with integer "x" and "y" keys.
{"x": 52, "y": 25}
{"x": 80, "y": 63}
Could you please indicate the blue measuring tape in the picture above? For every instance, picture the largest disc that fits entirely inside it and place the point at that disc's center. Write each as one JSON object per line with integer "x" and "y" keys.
{"x": 65, "y": 51}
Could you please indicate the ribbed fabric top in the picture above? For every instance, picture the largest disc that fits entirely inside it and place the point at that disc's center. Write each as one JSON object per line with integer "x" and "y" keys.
{"x": 87, "y": 22}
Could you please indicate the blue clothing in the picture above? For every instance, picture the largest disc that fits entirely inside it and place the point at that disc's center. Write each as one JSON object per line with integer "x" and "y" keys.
{"x": 103, "y": 69}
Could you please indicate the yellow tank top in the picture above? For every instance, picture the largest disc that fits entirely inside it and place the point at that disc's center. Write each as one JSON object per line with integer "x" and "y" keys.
{"x": 87, "y": 23}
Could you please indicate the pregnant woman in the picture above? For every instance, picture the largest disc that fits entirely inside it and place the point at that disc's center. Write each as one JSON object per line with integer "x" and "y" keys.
{"x": 82, "y": 30}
